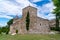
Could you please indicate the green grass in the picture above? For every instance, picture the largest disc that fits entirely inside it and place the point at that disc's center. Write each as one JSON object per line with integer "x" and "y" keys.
{"x": 30, "y": 37}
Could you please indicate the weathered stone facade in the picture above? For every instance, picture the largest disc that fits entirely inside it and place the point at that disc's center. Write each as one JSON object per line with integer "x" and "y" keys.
{"x": 37, "y": 25}
{"x": 52, "y": 23}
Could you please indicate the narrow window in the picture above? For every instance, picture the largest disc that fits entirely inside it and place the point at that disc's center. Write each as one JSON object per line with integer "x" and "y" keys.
{"x": 40, "y": 24}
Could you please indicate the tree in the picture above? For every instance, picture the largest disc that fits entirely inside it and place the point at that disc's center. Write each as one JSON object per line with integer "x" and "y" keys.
{"x": 27, "y": 21}
{"x": 5, "y": 29}
{"x": 0, "y": 30}
{"x": 57, "y": 13}
{"x": 8, "y": 25}
{"x": 10, "y": 22}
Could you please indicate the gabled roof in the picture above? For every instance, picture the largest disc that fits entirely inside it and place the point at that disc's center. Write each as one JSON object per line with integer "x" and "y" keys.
{"x": 42, "y": 18}
{"x": 16, "y": 17}
{"x": 29, "y": 7}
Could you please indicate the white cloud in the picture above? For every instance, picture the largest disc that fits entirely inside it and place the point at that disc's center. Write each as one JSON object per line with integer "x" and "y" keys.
{"x": 45, "y": 9}
{"x": 5, "y": 16}
{"x": 11, "y": 9}
{"x": 25, "y": 3}
{"x": 50, "y": 16}
{"x": 35, "y": 0}
{"x": 1, "y": 25}
{"x": 50, "y": 6}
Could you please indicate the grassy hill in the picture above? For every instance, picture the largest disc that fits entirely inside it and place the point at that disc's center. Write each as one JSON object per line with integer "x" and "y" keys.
{"x": 30, "y": 37}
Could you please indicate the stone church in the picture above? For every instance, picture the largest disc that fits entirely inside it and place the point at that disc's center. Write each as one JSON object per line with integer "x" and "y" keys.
{"x": 37, "y": 25}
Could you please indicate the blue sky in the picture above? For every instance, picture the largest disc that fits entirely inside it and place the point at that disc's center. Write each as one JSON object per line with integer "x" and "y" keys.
{"x": 11, "y": 8}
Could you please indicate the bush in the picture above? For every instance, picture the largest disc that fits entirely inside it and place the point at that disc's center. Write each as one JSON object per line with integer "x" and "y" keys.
{"x": 0, "y": 30}
{"x": 5, "y": 29}
{"x": 53, "y": 28}
{"x": 16, "y": 31}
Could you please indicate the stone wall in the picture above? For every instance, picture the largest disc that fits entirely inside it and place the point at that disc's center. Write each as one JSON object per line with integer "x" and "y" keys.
{"x": 52, "y": 23}
{"x": 37, "y": 25}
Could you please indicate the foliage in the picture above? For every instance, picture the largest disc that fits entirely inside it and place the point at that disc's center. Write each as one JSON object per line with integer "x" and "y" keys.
{"x": 56, "y": 3}
{"x": 5, "y": 29}
{"x": 0, "y": 30}
{"x": 57, "y": 12}
{"x": 55, "y": 28}
{"x": 52, "y": 28}
{"x": 16, "y": 31}
{"x": 27, "y": 21}
{"x": 8, "y": 26}
{"x": 10, "y": 22}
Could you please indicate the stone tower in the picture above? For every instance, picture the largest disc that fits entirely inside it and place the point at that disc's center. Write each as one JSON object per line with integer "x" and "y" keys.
{"x": 33, "y": 16}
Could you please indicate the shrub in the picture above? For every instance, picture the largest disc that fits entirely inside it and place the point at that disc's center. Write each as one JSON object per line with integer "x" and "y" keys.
{"x": 16, "y": 31}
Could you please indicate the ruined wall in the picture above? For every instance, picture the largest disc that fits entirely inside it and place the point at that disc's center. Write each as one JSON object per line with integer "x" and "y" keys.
{"x": 37, "y": 25}
{"x": 52, "y": 23}
{"x": 18, "y": 25}
{"x": 43, "y": 25}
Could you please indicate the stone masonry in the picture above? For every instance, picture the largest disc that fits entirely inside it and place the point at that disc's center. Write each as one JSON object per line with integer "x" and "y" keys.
{"x": 37, "y": 25}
